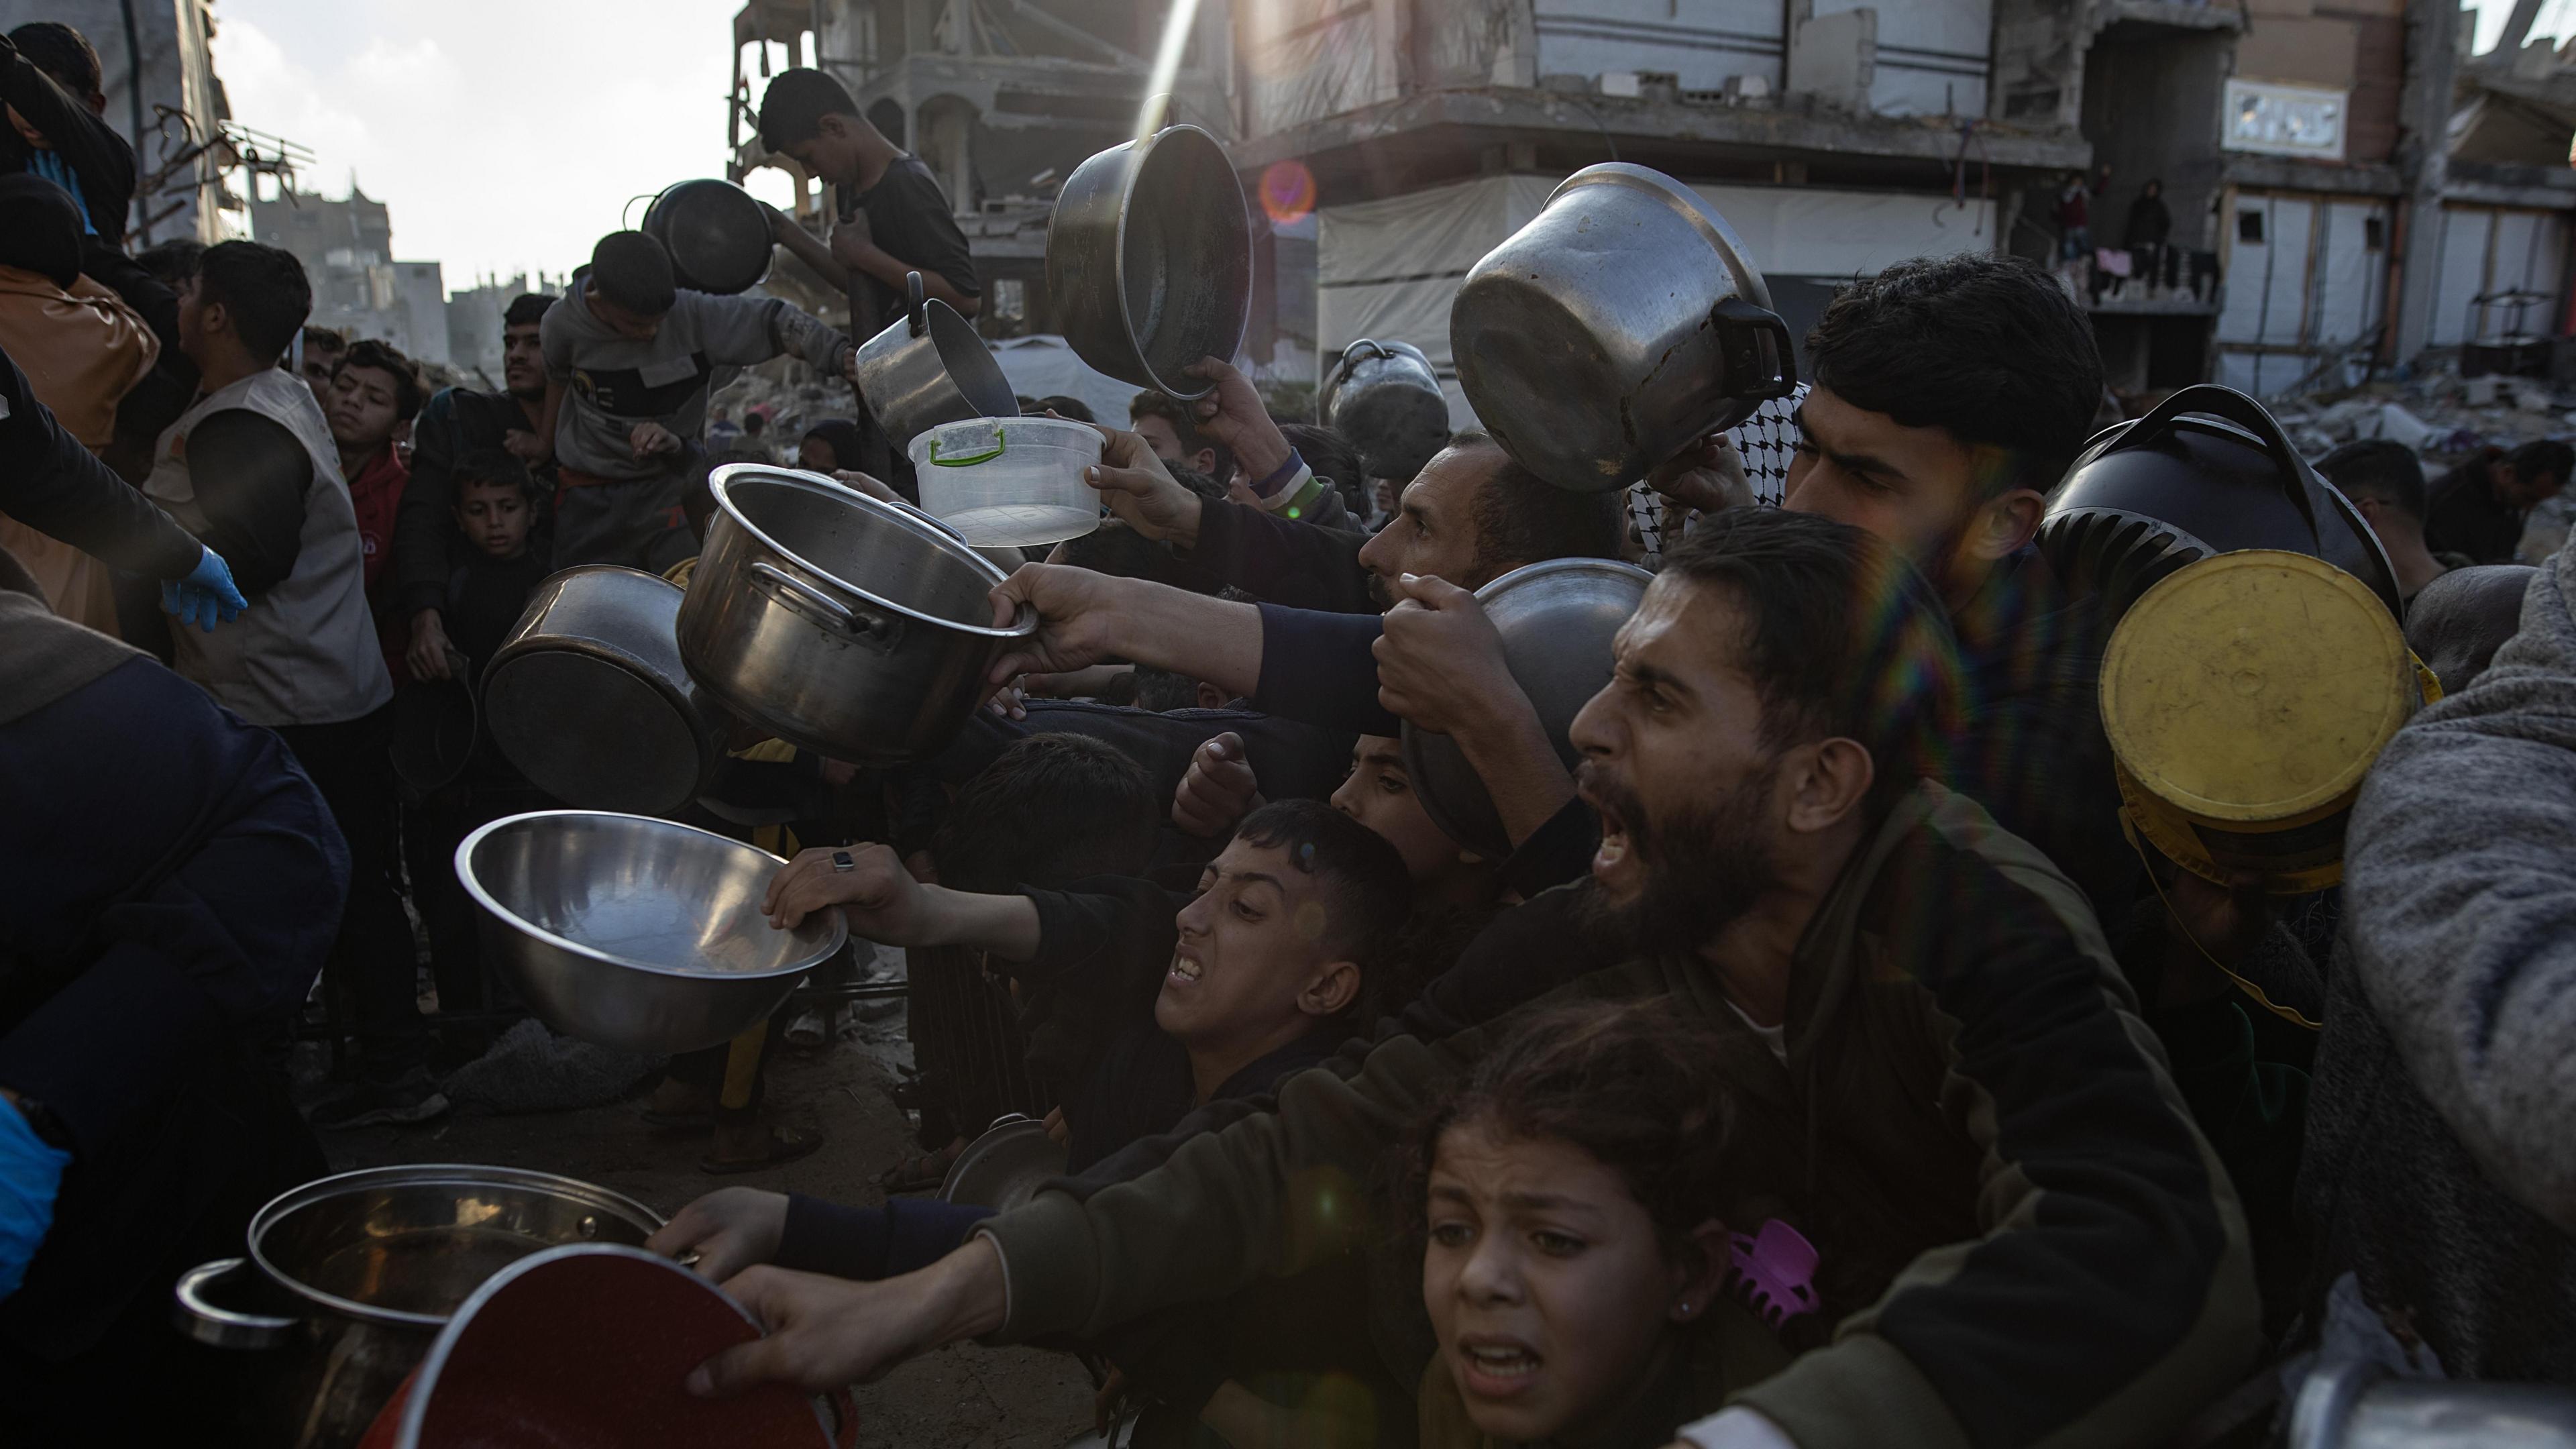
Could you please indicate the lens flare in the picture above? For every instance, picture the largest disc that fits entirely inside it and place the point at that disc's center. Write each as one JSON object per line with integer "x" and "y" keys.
{"x": 1287, "y": 191}
{"x": 1167, "y": 64}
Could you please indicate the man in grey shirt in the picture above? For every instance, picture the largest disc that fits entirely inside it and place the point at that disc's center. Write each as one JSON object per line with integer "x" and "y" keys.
{"x": 629, "y": 360}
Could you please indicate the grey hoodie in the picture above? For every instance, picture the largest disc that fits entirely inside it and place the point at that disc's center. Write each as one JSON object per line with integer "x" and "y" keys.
{"x": 613, "y": 382}
{"x": 2441, "y": 1162}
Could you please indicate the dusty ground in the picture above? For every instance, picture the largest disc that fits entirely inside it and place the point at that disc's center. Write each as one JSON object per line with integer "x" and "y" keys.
{"x": 970, "y": 1397}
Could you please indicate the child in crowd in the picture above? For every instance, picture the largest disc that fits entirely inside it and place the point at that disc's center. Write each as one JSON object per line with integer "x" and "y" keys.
{"x": 495, "y": 504}
{"x": 1254, "y": 978}
{"x": 1575, "y": 1193}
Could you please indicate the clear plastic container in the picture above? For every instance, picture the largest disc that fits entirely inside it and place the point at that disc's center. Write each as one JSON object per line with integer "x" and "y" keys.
{"x": 1009, "y": 482}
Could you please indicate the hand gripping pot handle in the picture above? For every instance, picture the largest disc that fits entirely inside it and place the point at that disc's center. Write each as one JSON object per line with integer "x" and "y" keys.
{"x": 1754, "y": 370}
{"x": 222, "y": 1327}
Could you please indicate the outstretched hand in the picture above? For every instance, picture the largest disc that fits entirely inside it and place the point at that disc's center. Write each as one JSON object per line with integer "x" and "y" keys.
{"x": 1706, "y": 476}
{"x": 730, "y": 1229}
{"x": 1440, "y": 662}
{"x": 878, "y": 896}
{"x": 1141, "y": 492}
{"x": 824, "y": 1333}
{"x": 207, "y": 596}
{"x": 1233, "y": 414}
{"x": 1076, "y": 611}
{"x": 1218, "y": 790}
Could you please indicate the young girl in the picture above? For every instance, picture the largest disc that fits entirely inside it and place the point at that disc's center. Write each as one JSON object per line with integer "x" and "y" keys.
{"x": 1576, "y": 1263}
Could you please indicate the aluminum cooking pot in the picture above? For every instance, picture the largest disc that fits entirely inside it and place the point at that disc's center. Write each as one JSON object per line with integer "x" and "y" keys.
{"x": 857, "y": 629}
{"x": 587, "y": 696}
{"x": 1005, "y": 1166}
{"x": 1385, "y": 398}
{"x": 1149, "y": 259}
{"x": 930, "y": 368}
{"x": 635, "y": 933}
{"x": 348, "y": 1280}
{"x": 1624, "y": 323}
{"x": 1556, "y": 620}
{"x": 2357, "y": 1406}
{"x": 716, "y": 232}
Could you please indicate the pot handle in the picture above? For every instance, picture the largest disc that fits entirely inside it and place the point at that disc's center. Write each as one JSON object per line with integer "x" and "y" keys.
{"x": 914, "y": 303}
{"x": 1753, "y": 370}
{"x": 2229, "y": 405}
{"x": 803, "y": 599}
{"x": 223, "y": 1327}
{"x": 845, "y": 1415}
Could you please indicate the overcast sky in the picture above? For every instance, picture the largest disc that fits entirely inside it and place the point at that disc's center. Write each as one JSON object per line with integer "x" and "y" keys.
{"x": 503, "y": 134}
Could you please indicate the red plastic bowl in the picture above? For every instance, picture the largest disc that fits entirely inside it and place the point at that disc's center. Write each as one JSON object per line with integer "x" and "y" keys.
{"x": 587, "y": 1347}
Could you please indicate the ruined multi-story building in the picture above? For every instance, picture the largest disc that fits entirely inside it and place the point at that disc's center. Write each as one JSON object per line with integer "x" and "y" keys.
{"x": 2345, "y": 187}
{"x": 347, "y": 250}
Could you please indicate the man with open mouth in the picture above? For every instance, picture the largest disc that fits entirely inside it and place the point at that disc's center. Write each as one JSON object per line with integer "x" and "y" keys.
{"x": 2024, "y": 1238}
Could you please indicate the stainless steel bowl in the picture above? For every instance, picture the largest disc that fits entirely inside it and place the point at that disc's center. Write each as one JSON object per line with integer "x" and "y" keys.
{"x": 633, "y": 932}
{"x": 351, "y": 1277}
{"x": 1557, "y": 620}
{"x": 2357, "y": 1405}
{"x": 1004, "y": 1167}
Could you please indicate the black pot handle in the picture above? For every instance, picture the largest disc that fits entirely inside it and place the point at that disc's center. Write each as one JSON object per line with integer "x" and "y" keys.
{"x": 912, "y": 286}
{"x": 2232, "y": 406}
{"x": 1751, "y": 370}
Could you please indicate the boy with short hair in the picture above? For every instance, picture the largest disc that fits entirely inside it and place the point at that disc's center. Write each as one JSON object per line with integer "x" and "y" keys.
{"x": 373, "y": 392}
{"x": 629, "y": 357}
{"x": 494, "y": 509}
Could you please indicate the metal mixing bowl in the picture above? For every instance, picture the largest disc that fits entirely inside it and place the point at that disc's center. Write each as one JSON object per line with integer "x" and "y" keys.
{"x": 1556, "y": 619}
{"x": 633, "y": 932}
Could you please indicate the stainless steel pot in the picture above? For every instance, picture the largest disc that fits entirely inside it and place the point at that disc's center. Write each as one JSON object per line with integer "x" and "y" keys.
{"x": 716, "y": 232}
{"x": 857, "y": 629}
{"x": 348, "y": 1279}
{"x": 1005, "y": 1166}
{"x": 587, "y": 696}
{"x": 1557, "y": 620}
{"x": 636, "y": 933}
{"x": 1385, "y": 398}
{"x": 1621, "y": 325}
{"x": 930, "y": 368}
{"x": 2358, "y": 1406}
{"x": 1149, "y": 259}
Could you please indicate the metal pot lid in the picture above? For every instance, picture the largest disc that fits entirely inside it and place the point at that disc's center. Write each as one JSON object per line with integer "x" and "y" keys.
{"x": 286, "y": 1206}
{"x": 752, "y": 477}
{"x": 1556, "y": 620}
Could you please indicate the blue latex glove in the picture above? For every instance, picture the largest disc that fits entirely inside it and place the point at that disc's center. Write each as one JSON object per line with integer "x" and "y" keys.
{"x": 30, "y": 1174}
{"x": 206, "y": 597}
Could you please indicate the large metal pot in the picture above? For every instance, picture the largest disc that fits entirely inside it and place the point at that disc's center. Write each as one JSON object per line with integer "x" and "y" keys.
{"x": 587, "y": 696}
{"x": 1622, "y": 324}
{"x": 349, "y": 1279}
{"x": 2357, "y": 1405}
{"x": 858, "y": 629}
{"x": 1556, "y": 620}
{"x": 1149, "y": 259}
{"x": 716, "y": 232}
{"x": 1385, "y": 398}
{"x": 636, "y": 933}
{"x": 930, "y": 368}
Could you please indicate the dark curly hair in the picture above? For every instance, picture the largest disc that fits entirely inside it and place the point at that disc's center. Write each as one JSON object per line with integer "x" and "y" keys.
{"x": 1634, "y": 1084}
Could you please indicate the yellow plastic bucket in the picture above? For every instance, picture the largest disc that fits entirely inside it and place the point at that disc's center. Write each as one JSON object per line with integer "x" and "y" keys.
{"x": 2245, "y": 697}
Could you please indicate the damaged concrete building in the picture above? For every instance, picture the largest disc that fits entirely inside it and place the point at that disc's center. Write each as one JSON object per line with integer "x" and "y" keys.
{"x": 2345, "y": 187}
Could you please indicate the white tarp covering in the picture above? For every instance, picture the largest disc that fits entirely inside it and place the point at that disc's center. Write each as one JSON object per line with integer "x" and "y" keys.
{"x": 1388, "y": 269}
{"x": 1043, "y": 366}
{"x": 1304, "y": 60}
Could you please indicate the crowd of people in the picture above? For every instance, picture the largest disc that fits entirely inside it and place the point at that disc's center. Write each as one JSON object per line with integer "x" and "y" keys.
{"x": 1822, "y": 1062}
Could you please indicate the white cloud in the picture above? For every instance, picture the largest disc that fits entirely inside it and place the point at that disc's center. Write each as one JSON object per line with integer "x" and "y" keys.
{"x": 502, "y": 136}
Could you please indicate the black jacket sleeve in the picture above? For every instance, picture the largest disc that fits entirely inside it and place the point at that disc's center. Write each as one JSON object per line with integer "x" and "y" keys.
{"x": 52, "y": 484}
{"x": 1556, "y": 853}
{"x": 424, "y": 524}
{"x": 102, "y": 159}
{"x": 250, "y": 474}
{"x": 1321, "y": 668}
{"x": 1282, "y": 561}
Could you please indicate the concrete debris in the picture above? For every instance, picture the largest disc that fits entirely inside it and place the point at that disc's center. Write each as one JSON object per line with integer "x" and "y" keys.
{"x": 530, "y": 1069}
